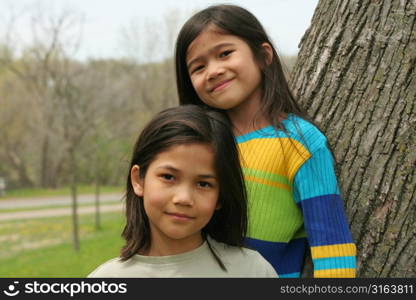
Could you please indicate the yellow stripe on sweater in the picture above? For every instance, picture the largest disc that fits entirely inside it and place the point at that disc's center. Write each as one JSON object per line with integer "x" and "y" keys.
{"x": 268, "y": 182}
{"x": 335, "y": 273}
{"x": 281, "y": 156}
{"x": 333, "y": 250}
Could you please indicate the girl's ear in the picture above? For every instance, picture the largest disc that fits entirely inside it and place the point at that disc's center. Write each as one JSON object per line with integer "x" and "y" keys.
{"x": 268, "y": 52}
{"x": 136, "y": 181}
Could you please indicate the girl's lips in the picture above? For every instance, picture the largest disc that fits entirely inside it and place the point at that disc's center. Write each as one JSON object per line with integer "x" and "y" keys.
{"x": 179, "y": 216}
{"x": 221, "y": 85}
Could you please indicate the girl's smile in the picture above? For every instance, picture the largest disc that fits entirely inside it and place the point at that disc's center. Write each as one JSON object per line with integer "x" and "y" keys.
{"x": 221, "y": 85}
{"x": 179, "y": 216}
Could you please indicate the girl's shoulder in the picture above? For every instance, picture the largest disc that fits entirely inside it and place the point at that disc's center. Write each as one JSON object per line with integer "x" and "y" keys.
{"x": 108, "y": 269}
{"x": 304, "y": 132}
{"x": 295, "y": 128}
{"x": 243, "y": 262}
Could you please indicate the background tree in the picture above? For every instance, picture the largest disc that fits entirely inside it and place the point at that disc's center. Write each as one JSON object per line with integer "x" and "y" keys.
{"x": 14, "y": 136}
{"x": 150, "y": 44}
{"x": 356, "y": 76}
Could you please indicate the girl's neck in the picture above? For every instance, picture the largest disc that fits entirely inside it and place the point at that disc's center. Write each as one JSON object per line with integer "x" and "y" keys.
{"x": 165, "y": 247}
{"x": 247, "y": 118}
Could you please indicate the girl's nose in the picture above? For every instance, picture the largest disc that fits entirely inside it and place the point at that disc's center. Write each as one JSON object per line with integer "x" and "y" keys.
{"x": 215, "y": 70}
{"x": 183, "y": 196}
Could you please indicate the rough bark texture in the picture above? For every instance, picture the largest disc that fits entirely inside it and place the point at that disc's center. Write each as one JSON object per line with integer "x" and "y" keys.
{"x": 356, "y": 77}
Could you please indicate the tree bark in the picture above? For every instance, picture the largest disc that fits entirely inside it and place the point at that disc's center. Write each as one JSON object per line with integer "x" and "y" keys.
{"x": 97, "y": 200}
{"x": 355, "y": 75}
{"x": 74, "y": 201}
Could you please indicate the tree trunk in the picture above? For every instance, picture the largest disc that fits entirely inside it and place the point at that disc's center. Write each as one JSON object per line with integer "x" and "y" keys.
{"x": 74, "y": 196}
{"x": 355, "y": 75}
{"x": 97, "y": 200}
{"x": 20, "y": 165}
{"x": 44, "y": 168}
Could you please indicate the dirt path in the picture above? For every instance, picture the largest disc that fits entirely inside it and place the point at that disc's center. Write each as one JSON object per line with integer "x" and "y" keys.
{"x": 56, "y": 200}
{"x": 57, "y": 212}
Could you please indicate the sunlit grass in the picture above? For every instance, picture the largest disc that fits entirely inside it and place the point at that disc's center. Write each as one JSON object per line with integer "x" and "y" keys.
{"x": 43, "y": 247}
{"x": 40, "y": 192}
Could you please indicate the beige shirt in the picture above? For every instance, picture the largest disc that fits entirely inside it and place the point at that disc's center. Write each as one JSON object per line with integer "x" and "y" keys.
{"x": 240, "y": 262}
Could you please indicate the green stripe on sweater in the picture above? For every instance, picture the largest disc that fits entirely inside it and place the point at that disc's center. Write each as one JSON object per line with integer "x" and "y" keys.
{"x": 273, "y": 214}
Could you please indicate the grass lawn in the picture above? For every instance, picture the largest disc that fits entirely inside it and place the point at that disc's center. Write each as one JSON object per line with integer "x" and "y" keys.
{"x": 42, "y": 247}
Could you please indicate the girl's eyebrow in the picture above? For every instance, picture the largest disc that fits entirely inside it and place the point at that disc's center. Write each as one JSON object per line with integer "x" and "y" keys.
{"x": 225, "y": 44}
{"x": 173, "y": 169}
{"x": 168, "y": 167}
{"x": 207, "y": 176}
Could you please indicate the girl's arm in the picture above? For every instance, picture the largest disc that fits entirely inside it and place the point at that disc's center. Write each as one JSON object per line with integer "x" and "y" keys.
{"x": 316, "y": 192}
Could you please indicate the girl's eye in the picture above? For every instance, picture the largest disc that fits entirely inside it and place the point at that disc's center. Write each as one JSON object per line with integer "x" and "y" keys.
{"x": 197, "y": 68}
{"x": 204, "y": 184}
{"x": 167, "y": 177}
{"x": 225, "y": 53}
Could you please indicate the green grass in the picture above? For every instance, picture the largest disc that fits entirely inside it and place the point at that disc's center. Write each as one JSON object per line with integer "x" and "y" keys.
{"x": 40, "y": 192}
{"x": 42, "y": 247}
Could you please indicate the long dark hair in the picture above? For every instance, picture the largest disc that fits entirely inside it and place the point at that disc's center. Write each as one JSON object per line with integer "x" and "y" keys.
{"x": 182, "y": 125}
{"x": 231, "y": 19}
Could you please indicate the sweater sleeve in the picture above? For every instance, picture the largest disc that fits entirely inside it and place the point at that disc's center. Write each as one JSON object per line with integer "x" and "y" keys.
{"x": 317, "y": 194}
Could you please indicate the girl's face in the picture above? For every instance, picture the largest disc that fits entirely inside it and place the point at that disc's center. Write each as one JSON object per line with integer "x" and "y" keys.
{"x": 180, "y": 193}
{"x": 223, "y": 70}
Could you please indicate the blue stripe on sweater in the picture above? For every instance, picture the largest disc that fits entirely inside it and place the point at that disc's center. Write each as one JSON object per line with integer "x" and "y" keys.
{"x": 344, "y": 262}
{"x": 325, "y": 220}
{"x": 290, "y": 275}
{"x": 286, "y": 258}
{"x": 316, "y": 176}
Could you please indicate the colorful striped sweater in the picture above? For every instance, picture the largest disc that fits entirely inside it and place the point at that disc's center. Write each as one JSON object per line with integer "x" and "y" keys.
{"x": 294, "y": 200}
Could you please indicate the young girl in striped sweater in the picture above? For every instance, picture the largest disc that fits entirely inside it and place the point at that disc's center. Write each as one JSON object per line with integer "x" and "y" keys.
{"x": 225, "y": 60}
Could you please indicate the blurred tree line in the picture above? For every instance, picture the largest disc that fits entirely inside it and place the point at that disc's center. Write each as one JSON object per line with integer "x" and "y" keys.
{"x": 65, "y": 121}
{"x": 62, "y": 119}
{"x": 55, "y": 109}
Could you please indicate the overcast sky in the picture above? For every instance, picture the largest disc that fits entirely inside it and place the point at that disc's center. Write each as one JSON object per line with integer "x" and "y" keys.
{"x": 284, "y": 20}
